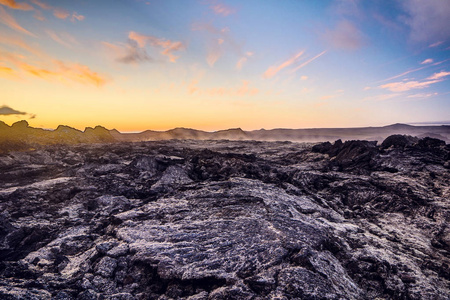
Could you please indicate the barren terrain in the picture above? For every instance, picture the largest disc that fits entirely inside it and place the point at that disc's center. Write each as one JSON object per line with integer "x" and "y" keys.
{"x": 226, "y": 220}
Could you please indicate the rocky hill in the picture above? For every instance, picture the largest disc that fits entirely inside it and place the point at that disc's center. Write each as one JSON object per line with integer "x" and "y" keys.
{"x": 227, "y": 220}
{"x": 20, "y": 136}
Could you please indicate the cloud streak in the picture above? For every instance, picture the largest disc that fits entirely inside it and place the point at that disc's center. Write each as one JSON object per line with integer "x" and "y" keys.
{"x": 63, "y": 72}
{"x": 9, "y": 21}
{"x": 403, "y": 86}
{"x": 427, "y": 61}
{"x": 219, "y": 43}
{"x": 59, "y": 13}
{"x": 222, "y": 9}
{"x": 402, "y": 74}
{"x": 309, "y": 61}
{"x": 15, "y": 5}
{"x": 63, "y": 38}
{"x": 273, "y": 70}
{"x": 167, "y": 46}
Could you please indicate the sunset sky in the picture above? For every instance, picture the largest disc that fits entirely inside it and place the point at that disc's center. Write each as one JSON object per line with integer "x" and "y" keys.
{"x": 210, "y": 65}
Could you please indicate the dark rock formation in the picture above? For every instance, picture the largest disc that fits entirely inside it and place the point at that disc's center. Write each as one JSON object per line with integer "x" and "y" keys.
{"x": 226, "y": 220}
{"x": 20, "y": 136}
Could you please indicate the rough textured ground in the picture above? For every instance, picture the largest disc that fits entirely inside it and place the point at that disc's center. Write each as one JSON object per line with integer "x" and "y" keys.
{"x": 226, "y": 220}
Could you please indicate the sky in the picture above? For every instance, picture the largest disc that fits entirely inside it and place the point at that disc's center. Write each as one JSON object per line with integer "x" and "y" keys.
{"x": 217, "y": 64}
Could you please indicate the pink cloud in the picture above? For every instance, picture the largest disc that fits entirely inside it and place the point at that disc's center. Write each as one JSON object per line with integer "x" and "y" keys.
{"x": 243, "y": 60}
{"x": 439, "y": 75}
{"x": 428, "y": 95}
{"x": 273, "y": 70}
{"x": 428, "y": 20}
{"x": 63, "y": 71}
{"x": 219, "y": 43}
{"x": 61, "y": 13}
{"x": 64, "y": 39}
{"x": 309, "y": 61}
{"x": 221, "y": 9}
{"x": 77, "y": 17}
{"x": 39, "y": 16}
{"x": 402, "y": 74}
{"x": 41, "y": 4}
{"x": 15, "y": 5}
{"x": 427, "y": 61}
{"x": 9, "y": 21}
{"x": 345, "y": 36}
{"x": 168, "y": 46}
{"x": 436, "y": 44}
{"x": 20, "y": 43}
{"x": 408, "y": 85}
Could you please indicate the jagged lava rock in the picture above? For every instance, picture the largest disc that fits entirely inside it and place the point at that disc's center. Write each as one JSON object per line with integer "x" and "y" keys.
{"x": 226, "y": 220}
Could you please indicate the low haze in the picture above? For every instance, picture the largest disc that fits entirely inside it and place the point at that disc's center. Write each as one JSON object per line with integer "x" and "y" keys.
{"x": 211, "y": 65}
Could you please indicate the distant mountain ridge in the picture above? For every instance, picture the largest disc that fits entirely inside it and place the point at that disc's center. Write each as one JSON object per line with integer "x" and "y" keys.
{"x": 295, "y": 135}
{"x": 21, "y": 136}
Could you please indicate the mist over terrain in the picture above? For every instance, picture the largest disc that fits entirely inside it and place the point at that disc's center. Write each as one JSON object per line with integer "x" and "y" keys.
{"x": 192, "y": 219}
{"x": 21, "y": 136}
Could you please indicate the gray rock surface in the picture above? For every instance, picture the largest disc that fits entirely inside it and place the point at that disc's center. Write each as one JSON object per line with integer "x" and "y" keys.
{"x": 227, "y": 220}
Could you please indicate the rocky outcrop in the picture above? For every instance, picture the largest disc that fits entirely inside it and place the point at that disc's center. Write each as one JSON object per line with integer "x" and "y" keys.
{"x": 20, "y": 136}
{"x": 226, "y": 220}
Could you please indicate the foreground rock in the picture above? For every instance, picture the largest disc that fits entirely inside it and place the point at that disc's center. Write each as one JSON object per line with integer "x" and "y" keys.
{"x": 227, "y": 220}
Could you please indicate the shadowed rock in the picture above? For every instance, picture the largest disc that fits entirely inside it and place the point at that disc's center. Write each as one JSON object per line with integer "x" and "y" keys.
{"x": 226, "y": 220}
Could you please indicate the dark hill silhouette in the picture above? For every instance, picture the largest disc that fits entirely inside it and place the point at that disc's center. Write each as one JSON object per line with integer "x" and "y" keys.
{"x": 21, "y": 136}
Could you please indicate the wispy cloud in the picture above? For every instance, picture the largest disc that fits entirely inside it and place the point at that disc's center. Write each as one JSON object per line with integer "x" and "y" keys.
{"x": 273, "y": 70}
{"x": 424, "y": 95}
{"x": 7, "y": 111}
{"x": 222, "y": 9}
{"x": 219, "y": 43}
{"x": 408, "y": 85}
{"x": 59, "y": 13}
{"x": 308, "y": 61}
{"x": 41, "y": 4}
{"x": 64, "y": 39}
{"x": 15, "y": 5}
{"x": 135, "y": 49}
{"x": 243, "y": 60}
{"x": 304, "y": 77}
{"x": 428, "y": 20}
{"x": 53, "y": 70}
{"x": 129, "y": 52}
{"x": 6, "y": 72}
{"x": 427, "y": 61}
{"x": 63, "y": 72}
{"x": 401, "y": 75}
{"x": 403, "y": 86}
{"x": 345, "y": 36}
{"x": 439, "y": 75}
{"x": 436, "y": 44}
{"x": 9, "y": 21}
{"x": 18, "y": 42}
{"x": 168, "y": 46}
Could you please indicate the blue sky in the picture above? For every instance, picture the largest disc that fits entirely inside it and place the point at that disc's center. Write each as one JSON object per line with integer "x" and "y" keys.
{"x": 207, "y": 64}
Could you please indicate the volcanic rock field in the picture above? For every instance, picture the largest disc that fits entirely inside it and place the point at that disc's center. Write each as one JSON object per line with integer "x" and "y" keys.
{"x": 226, "y": 220}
